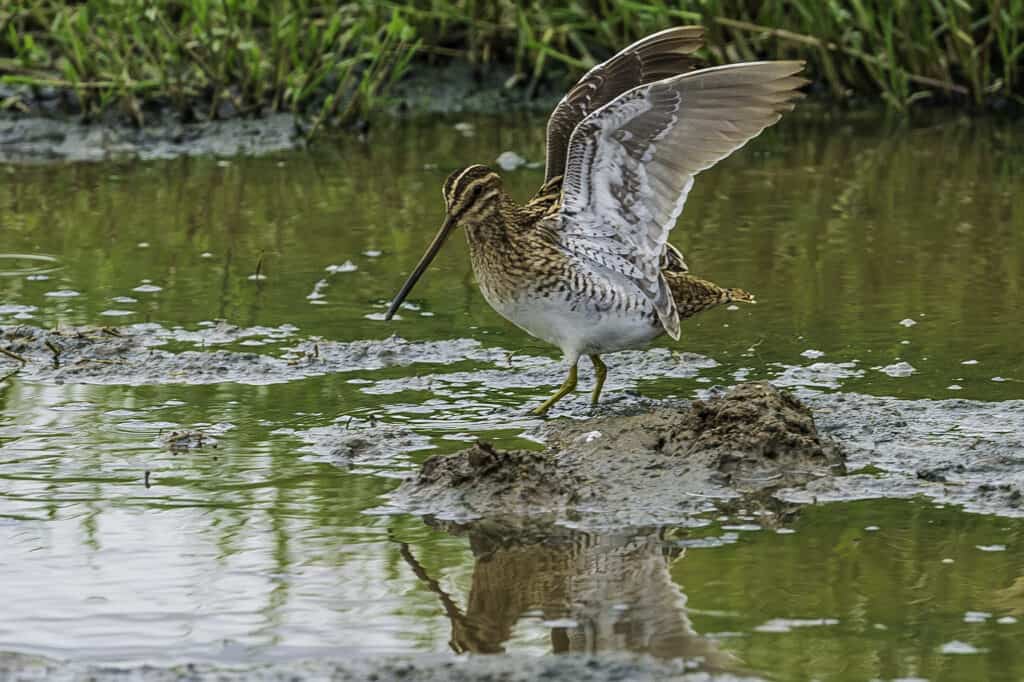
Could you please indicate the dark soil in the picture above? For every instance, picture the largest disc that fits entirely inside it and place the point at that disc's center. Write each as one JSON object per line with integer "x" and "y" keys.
{"x": 653, "y": 467}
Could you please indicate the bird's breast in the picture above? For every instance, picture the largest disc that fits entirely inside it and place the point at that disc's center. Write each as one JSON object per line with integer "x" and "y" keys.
{"x": 579, "y": 313}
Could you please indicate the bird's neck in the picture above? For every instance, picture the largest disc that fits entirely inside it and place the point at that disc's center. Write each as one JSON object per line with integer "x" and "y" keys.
{"x": 495, "y": 227}
{"x": 501, "y": 247}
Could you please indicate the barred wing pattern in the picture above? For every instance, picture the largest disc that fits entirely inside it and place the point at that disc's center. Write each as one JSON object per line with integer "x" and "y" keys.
{"x": 658, "y": 56}
{"x": 632, "y": 162}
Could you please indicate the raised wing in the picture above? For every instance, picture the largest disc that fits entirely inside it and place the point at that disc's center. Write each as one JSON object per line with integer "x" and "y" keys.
{"x": 653, "y": 58}
{"x": 631, "y": 163}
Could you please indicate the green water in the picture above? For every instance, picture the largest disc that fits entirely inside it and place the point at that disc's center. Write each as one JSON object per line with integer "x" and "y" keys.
{"x": 843, "y": 227}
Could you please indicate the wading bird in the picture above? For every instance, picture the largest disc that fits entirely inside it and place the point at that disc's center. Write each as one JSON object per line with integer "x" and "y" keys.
{"x": 585, "y": 264}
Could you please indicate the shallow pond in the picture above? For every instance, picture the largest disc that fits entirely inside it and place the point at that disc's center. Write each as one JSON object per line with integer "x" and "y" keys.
{"x": 886, "y": 260}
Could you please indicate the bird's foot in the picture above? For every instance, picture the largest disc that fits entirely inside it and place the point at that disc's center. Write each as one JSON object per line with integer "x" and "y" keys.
{"x": 568, "y": 386}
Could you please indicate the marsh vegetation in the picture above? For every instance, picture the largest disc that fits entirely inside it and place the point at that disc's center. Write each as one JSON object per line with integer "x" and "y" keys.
{"x": 333, "y": 63}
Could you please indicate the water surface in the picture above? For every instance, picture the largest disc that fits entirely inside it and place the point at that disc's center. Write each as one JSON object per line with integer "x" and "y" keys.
{"x": 868, "y": 245}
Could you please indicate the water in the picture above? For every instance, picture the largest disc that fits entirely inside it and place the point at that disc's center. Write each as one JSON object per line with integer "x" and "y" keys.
{"x": 844, "y": 227}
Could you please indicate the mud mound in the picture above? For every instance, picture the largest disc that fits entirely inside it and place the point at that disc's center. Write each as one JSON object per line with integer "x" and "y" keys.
{"x": 754, "y": 436}
{"x": 482, "y": 479}
{"x": 757, "y": 422}
{"x": 654, "y": 467}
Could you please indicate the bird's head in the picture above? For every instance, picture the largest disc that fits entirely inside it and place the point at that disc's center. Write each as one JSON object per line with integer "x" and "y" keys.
{"x": 471, "y": 195}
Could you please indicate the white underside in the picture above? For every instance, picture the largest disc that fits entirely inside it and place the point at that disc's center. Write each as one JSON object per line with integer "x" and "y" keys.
{"x": 577, "y": 328}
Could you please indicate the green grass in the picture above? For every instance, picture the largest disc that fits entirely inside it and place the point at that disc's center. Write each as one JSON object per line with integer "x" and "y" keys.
{"x": 902, "y": 51}
{"x": 331, "y": 63}
{"x": 207, "y": 58}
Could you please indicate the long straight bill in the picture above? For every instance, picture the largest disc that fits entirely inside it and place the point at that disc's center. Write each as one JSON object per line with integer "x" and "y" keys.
{"x": 432, "y": 250}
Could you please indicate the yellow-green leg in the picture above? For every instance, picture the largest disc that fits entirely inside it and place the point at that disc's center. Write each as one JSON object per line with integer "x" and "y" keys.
{"x": 601, "y": 370}
{"x": 568, "y": 386}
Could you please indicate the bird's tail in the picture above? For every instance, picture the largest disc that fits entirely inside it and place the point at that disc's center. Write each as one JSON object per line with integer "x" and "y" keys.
{"x": 740, "y": 296}
{"x": 694, "y": 295}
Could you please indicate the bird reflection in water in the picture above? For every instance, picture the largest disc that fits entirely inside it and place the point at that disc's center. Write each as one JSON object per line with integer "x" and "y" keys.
{"x": 607, "y": 592}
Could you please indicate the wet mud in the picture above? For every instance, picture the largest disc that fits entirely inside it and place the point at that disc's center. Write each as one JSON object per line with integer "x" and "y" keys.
{"x": 750, "y": 443}
{"x": 39, "y": 140}
{"x": 177, "y": 441}
{"x": 351, "y": 443}
{"x": 961, "y": 452}
{"x": 54, "y": 133}
{"x": 630, "y": 462}
{"x": 460, "y": 87}
{"x": 133, "y": 355}
{"x": 654, "y": 467}
{"x": 427, "y": 667}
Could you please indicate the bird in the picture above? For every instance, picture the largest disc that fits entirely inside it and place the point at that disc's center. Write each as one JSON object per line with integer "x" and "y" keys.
{"x": 585, "y": 264}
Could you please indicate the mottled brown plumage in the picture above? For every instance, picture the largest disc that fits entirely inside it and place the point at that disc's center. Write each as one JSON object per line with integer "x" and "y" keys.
{"x": 585, "y": 264}
{"x": 514, "y": 249}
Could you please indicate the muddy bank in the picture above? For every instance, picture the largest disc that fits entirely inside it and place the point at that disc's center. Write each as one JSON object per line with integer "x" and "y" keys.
{"x": 652, "y": 467}
{"x": 460, "y": 87}
{"x": 138, "y": 354}
{"x": 36, "y": 140}
{"x": 954, "y": 451}
{"x": 747, "y": 445}
{"x": 53, "y": 131}
{"x": 425, "y": 667}
{"x": 962, "y": 452}
{"x": 133, "y": 355}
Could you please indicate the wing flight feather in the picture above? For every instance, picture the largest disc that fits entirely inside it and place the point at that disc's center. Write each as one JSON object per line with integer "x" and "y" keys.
{"x": 631, "y": 163}
{"x": 656, "y": 57}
